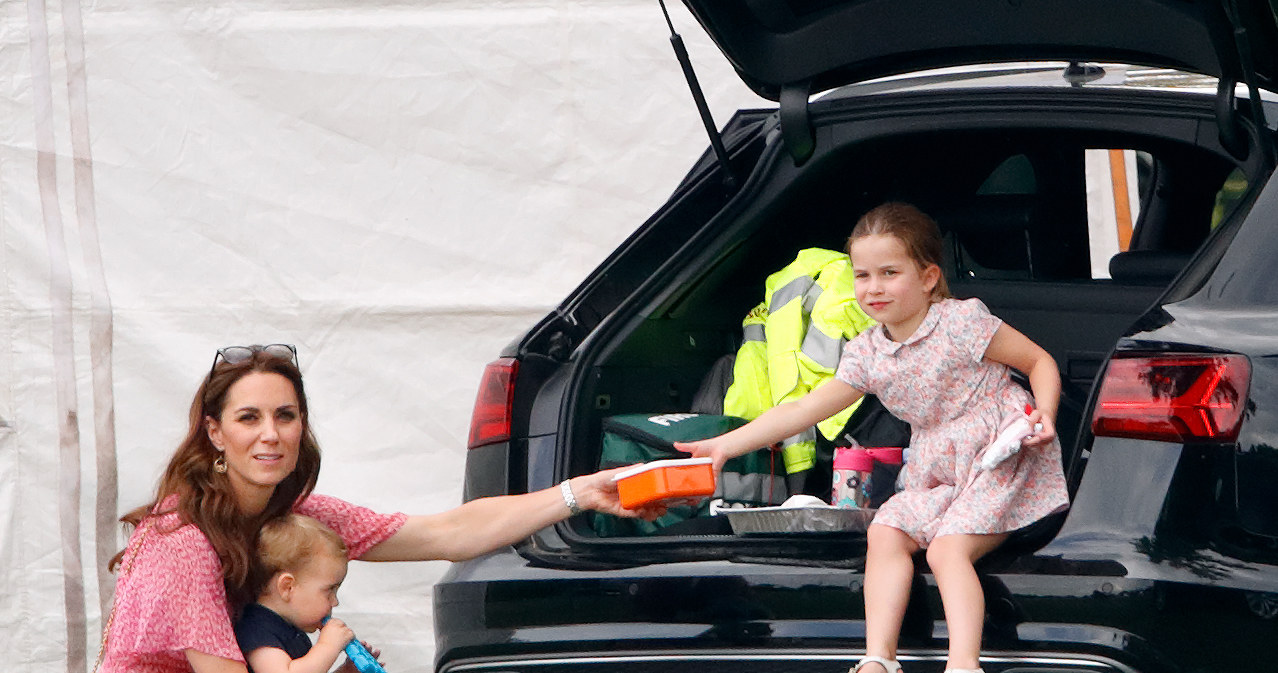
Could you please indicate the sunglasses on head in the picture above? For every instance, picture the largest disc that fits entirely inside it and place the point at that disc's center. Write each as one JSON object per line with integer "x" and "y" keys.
{"x": 236, "y": 354}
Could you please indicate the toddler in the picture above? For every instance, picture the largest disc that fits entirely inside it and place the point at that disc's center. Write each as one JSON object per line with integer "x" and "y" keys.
{"x": 304, "y": 562}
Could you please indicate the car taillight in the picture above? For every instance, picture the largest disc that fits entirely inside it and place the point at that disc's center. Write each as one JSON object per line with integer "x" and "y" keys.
{"x": 1173, "y": 397}
{"x": 490, "y": 421}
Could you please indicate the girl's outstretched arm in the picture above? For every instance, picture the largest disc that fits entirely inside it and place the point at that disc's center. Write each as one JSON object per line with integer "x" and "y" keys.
{"x": 1015, "y": 350}
{"x": 776, "y": 423}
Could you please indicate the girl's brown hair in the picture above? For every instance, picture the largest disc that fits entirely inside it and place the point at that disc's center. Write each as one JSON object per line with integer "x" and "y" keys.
{"x": 205, "y": 498}
{"x": 914, "y": 229}
{"x": 287, "y": 544}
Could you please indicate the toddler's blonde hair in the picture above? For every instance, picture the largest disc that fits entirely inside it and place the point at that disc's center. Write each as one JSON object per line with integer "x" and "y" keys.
{"x": 287, "y": 543}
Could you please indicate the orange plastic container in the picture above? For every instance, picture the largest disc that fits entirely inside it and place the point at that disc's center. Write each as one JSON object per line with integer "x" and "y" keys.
{"x": 665, "y": 479}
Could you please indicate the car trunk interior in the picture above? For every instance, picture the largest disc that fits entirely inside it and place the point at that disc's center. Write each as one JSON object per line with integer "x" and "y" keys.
{"x": 1012, "y": 205}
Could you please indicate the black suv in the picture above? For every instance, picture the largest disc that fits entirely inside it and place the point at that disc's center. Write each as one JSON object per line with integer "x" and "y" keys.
{"x": 1167, "y": 559}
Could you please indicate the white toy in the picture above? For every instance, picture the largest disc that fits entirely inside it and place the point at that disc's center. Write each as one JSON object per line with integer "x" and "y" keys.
{"x": 1008, "y": 442}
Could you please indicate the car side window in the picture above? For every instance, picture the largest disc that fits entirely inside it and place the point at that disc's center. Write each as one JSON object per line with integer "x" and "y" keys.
{"x": 1103, "y": 215}
{"x": 988, "y": 235}
{"x": 1231, "y": 192}
{"x": 1114, "y": 190}
{"x": 1024, "y": 221}
{"x": 1146, "y": 235}
{"x": 1014, "y": 176}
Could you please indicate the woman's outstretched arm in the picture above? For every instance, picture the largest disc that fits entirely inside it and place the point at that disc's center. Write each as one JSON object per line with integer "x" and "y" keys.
{"x": 484, "y": 525}
{"x": 208, "y": 663}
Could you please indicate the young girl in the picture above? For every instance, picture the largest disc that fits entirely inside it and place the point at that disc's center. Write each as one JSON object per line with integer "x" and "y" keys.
{"x": 940, "y": 364}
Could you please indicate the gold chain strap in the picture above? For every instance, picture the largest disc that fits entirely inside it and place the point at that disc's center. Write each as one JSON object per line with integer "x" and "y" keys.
{"x": 126, "y": 570}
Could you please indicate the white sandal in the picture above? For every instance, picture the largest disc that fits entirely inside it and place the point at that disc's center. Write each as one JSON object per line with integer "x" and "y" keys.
{"x": 890, "y": 665}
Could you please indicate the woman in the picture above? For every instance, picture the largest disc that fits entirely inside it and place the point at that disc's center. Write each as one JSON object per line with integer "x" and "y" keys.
{"x": 249, "y": 456}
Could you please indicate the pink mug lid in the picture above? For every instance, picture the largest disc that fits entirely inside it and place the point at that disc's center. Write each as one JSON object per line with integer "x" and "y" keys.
{"x": 886, "y": 454}
{"x": 853, "y": 459}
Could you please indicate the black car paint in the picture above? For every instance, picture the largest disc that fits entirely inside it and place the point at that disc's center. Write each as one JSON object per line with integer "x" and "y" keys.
{"x": 1119, "y": 584}
{"x": 777, "y": 44}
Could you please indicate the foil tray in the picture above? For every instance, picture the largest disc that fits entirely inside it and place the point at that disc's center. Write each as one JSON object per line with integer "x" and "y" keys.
{"x": 808, "y": 519}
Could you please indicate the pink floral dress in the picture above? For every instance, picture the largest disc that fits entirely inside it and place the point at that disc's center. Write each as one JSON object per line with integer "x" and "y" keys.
{"x": 938, "y": 381}
{"x": 170, "y": 598}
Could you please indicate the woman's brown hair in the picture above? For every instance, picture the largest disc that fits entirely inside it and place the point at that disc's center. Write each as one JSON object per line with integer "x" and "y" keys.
{"x": 205, "y": 498}
{"x": 914, "y": 229}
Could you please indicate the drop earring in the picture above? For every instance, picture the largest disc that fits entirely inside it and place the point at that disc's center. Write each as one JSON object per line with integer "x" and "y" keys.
{"x": 219, "y": 463}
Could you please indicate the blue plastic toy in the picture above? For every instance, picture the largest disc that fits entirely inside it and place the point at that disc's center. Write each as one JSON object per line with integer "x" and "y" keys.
{"x": 363, "y": 660}
{"x": 361, "y": 657}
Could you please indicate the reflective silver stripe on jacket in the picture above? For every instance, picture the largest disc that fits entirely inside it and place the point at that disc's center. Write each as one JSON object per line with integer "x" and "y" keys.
{"x": 811, "y": 296}
{"x": 808, "y": 435}
{"x": 822, "y": 348}
{"x": 790, "y": 291}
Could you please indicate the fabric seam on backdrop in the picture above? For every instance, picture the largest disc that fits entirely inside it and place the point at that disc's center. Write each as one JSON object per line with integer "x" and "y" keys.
{"x": 63, "y": 347}
{"x": 101, "y": 334}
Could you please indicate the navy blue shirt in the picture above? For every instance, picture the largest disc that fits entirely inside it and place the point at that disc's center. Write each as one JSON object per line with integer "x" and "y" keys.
{"x": 260, "y": 626}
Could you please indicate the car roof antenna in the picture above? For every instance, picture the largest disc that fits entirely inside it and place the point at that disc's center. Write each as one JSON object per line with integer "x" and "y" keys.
{"x": 716, "y": 141}
{"x": 1078, "y": 74}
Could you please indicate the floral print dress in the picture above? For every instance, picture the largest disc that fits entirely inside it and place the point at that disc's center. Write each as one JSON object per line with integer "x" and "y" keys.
{"x": 938, "y": 381}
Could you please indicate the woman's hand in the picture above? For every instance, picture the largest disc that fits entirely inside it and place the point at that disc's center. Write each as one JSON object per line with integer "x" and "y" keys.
{"x": 598, "y": 492}
{"x": 348, "y": 666}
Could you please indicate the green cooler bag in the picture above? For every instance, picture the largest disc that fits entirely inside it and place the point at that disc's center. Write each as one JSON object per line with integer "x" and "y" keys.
{"x": 756, "y": 479}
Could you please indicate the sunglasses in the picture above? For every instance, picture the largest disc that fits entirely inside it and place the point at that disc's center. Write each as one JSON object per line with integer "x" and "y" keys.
{"x": 236, "y": 354}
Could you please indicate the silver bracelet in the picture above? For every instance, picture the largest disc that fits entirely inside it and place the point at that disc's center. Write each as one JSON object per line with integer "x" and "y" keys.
{"x": 565, "y": 489}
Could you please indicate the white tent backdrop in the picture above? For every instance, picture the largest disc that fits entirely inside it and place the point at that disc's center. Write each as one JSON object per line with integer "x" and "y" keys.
{"x": 398, "y": 188}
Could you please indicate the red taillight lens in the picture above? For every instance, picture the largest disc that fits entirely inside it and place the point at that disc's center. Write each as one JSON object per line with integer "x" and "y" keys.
{"x": 490, "y": 421}
{"x": 1173, "y": 397}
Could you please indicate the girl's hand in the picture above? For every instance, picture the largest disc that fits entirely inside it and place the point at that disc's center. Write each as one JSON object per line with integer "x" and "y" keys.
{"x": 711, "y": 448}
{"x": 775, "y": 424}
{"x": 598, "y": 492}
{"x": 1042, "y": 435}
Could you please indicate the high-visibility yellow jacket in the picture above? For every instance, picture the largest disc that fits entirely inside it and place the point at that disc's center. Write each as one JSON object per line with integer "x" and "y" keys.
{"x": 792, "y": 344}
